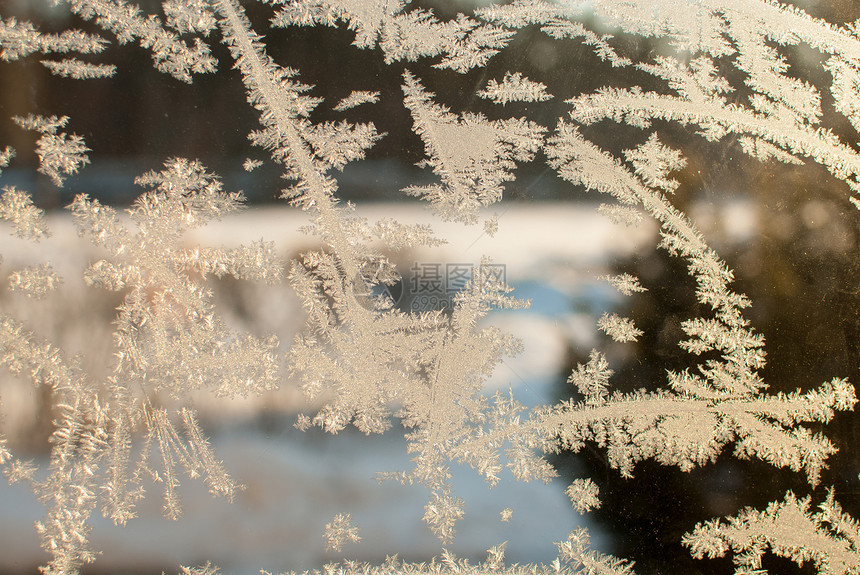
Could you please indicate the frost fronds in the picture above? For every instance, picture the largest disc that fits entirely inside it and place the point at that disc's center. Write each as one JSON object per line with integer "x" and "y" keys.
{"x": 491, "y": 226}
{"x": 846, "y": 81}
{"x": 765, "y": 151}
{"x": 357, "y": 98}
{"x": 167, "y": 341}
{"x": 431, "y": 364}
{"x": 579, "y": 161}
{"x": 442, "y": 512}
{"x": 74, "y": 68}
{"x": 5, "y": 157}
{"x": 772, "y": 125}
{"x": 69, "y": 492}
{"x": 652, "y": 162}
{"x": 557, "y": 21}
{"x": 620, "y": 329}
{"x": 190, "y": 16}
{"x": 724, "y": 69}
{"x": 340, "y": 530}
{"x": 250, "y": 165}
{"x": 592, "y": 379}
{"x": 690, "y": 428}
{"x": 623, "y": 215}
{"x": 829, "y": 538}
{"x": 472, "y": 155}
{"x": 514, "y": 88}
{"x": 206, "y": 569}
{"x": 170, "y": 54}
{"x": 463, "y": 43}
{"x": 709, "y": 28}
{"x": 306, "y": 150}
{"x": 167, "y": 316}
{"x": 523, "y": 13}
{"x": 60, "y": 154}
{"x": 574, "y": 558}
{"x": 17, "y": 470}
{"x": 583, "y": 495}
{"x": 359, "y": 353}
{"x": 398, "y": 236}
{"x": 625, "y": 283}
{"x": 20, "y": 39}
{"x": 27, "y": 220}
{"x": 577, "y": 553}
{"x": 35, "y": 281}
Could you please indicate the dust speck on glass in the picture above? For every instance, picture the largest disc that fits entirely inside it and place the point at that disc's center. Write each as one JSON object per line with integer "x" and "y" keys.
{"x": 653, "y": 308}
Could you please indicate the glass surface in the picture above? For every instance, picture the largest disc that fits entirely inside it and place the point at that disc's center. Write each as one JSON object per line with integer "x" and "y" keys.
{"x": 787, "y": 230}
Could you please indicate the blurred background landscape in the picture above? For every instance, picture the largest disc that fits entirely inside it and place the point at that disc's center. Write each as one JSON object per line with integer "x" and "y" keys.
{"x": 788, "y": 232}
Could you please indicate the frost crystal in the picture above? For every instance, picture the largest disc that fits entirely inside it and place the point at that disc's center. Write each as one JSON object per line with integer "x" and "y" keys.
{"x": 73, "y": 68}
{"x": 34, "y": 281}
{"x": 789, "y": 529}
{"x": 729, "y": 76}
{"x": 625, "y": 283}
{"x": 339, "y": 531}
{"x": 356, "y": 99}
{"x": 28, "y": 220}
{"x": 620, "y": 329}
{"x": 59, "y": 154}
{"x": 472, "y": 155}
{"x": 514, "y": 88}
{"x": 583, "y": 494}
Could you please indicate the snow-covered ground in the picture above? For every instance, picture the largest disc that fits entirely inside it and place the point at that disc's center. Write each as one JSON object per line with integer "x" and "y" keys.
{"x": 296, "y": 483}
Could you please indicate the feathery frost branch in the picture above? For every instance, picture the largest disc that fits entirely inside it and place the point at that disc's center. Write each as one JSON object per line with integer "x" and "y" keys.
{"x": 788, "y": 528}
{"x": 367, "y": 363}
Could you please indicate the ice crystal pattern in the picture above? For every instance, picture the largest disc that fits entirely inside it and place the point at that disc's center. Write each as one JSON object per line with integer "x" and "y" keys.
{"x": 363, "y": 360}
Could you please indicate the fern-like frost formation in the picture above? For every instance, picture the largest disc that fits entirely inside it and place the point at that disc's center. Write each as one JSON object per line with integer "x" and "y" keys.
{"x": 361, "y": 359}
